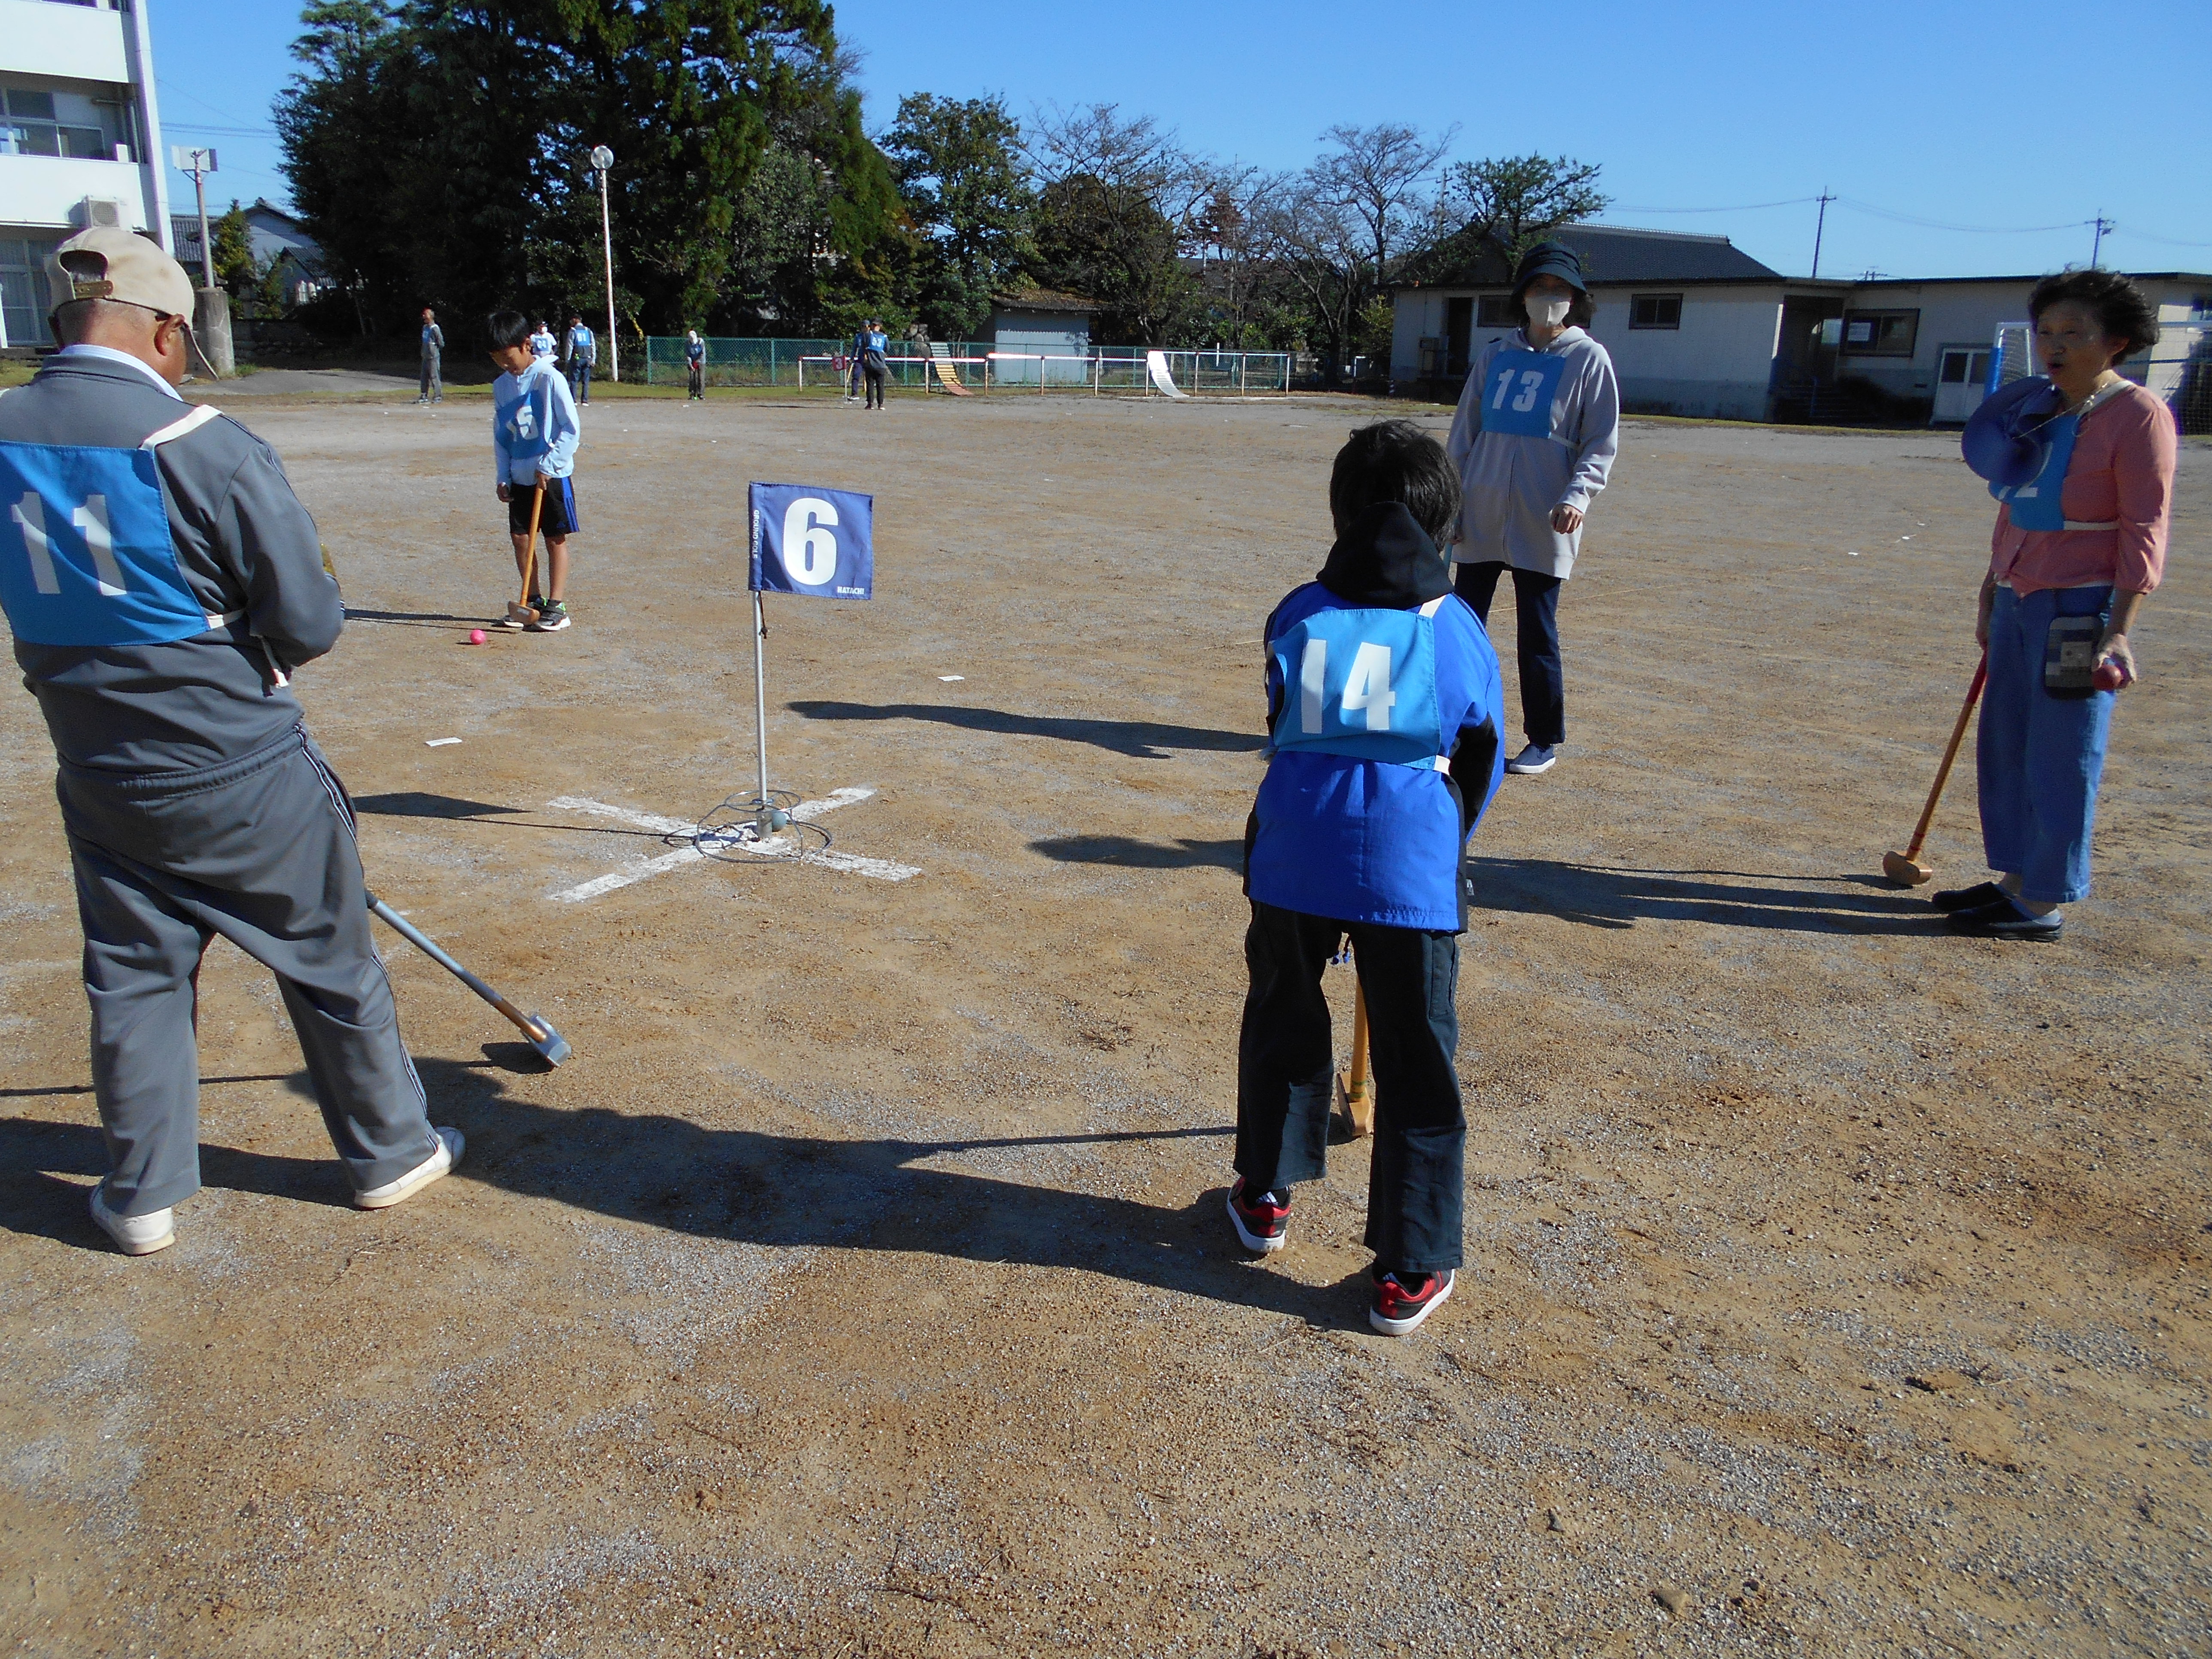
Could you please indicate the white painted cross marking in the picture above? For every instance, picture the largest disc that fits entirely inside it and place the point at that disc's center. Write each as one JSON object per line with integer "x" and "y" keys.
{"x": 776, "y": 847}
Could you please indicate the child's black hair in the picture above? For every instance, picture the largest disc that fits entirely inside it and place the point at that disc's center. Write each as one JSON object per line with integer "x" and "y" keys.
{"x": 1395, "y": 461}
{"x": 508, "y": 328}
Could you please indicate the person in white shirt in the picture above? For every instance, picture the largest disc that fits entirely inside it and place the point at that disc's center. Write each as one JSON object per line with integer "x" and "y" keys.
{"x": 542, "y": 345}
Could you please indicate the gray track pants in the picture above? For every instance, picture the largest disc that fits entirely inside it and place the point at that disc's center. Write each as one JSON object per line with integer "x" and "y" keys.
{"x": 261, "y": 851}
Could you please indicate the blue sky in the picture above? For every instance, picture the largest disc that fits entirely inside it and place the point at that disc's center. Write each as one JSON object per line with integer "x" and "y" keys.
{"x": 1965, "y": 115}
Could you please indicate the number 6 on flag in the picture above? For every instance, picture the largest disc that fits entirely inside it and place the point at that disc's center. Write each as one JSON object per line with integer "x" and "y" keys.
{"x": 811, "y": 541}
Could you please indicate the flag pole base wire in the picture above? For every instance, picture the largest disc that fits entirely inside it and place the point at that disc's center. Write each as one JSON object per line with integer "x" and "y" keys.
{"x": 747, "y": 829}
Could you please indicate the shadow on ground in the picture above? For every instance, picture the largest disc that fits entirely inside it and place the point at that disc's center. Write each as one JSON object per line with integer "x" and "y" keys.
{"x": 1181, "y": 854}
{"x": 745, "y": 1186}
{"x": 1603, "y": 897}
{"x": 1140, "y": 739}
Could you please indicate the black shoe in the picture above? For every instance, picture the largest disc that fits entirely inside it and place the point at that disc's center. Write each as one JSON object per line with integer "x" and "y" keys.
{"x": 552, "y": 617}
{"x": 1968, "y": 898}
{"x": 2005, "y": 919}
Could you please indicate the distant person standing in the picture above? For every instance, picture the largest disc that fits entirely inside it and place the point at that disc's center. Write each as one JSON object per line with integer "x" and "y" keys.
{"x": 856, "y": 355}
{"x": 695, "y": 364}
{"x": 875, "y": 361}
{"x": 1538, "y": 425}
{"x": 542, "y": 345}
{"x": 434, "y": 348}
{"x": 583, "y": 351}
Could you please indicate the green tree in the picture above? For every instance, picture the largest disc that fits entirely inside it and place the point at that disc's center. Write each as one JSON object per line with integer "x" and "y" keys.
{"x": 1513, "y": 202}
{"x": 437, "y": 148}
{"x": 234, "y": 266}
{"x": 957, "y": 166}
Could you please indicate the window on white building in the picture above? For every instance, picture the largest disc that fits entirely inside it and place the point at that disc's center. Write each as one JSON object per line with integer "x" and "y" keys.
{"x": 1880, "y": 333}
{"x": 1497, "y": 311}
{"x": 33, "y": 126}
{"x": 23, "y": 304}
{"x": 1655, "y": 311}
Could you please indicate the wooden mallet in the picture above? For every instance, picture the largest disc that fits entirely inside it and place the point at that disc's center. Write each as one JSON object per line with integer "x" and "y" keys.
{"x": 522, "y": 613}
{"x": 1905, "y": 868}
{"x": 1355, "y": 1091}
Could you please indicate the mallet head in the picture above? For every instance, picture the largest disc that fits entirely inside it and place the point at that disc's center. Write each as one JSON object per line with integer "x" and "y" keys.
{"x": 1905, "y": 871}
{"x": 552, "y": 1044}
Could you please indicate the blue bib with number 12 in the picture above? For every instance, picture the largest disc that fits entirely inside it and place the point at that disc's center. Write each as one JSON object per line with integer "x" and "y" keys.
{"x": 1517, "y": 394}
{"x": 1361, "y": 684}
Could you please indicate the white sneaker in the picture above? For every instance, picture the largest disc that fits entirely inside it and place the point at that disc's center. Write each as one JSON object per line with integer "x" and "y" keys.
{"x": 136, "y": 1235}
{"x": 439, "y": 1163}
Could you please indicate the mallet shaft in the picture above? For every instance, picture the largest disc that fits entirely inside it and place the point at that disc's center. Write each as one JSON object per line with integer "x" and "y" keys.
{"x": 1950, "y": 754}
{"x": 423, "y": 942}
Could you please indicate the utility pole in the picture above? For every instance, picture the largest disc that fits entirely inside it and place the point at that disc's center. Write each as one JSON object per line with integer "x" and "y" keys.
{"x": 211, "y": 305}
{"x": 602, "y": 159}
{"x": 198, "y": 163}
{"x": 2097, "y": 242}
{"x": 1820, "y": 229}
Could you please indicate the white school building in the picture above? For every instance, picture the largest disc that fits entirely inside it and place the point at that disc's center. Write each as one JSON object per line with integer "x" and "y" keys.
{"x": 1698, "y": 327}
{"x": 79, "y": 141}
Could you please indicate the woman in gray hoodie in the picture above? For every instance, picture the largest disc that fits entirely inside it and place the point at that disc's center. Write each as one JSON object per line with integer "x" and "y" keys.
{"x": 1534, "y": 437}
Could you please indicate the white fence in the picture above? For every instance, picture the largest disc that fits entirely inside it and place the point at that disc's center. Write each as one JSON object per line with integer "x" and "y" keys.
{"x": 1111, "y": 371}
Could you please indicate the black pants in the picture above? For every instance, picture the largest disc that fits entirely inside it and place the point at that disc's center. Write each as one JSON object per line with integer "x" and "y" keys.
{"x": 1536, "y": 629}
{"x": 875, "y": 378}
{"x": 1286, "y": 1063}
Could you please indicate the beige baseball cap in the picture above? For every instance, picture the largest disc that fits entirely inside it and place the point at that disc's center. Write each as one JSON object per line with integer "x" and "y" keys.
{"x": 107, "y": 263}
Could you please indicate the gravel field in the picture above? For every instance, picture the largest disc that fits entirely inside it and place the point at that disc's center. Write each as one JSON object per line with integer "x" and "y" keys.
{"x": 862, "y": 1285}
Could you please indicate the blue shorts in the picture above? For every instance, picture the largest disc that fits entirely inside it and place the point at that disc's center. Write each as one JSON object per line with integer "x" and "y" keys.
{"x": 556, "y": 517}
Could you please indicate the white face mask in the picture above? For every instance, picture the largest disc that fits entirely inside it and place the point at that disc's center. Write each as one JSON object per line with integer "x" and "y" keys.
{"x": 1545, "y": 311}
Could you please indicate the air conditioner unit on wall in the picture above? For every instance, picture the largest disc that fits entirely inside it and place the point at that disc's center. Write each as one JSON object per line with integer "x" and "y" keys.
{"x": 101, "y": 213}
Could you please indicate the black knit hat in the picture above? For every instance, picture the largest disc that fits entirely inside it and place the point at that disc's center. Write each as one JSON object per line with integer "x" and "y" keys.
{"x": 1550, "y": 259}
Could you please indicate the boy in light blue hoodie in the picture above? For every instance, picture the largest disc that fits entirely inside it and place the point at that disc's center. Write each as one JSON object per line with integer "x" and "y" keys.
{"x": 534, "y": 433}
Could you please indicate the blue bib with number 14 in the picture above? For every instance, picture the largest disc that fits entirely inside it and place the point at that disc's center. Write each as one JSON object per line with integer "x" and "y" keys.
{"x": 1517, "y": 397}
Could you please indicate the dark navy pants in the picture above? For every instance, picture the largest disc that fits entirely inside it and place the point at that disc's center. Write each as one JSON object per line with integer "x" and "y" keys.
{"x": 1536, "y": 625}
{"x": 1286, "y": 1063}
{"x": 261, "y": 851}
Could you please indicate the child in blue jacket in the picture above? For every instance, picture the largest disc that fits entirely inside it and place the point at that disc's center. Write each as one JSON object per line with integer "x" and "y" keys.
{"x": 533, "y": 442}
{"x": 1383, "y": 707}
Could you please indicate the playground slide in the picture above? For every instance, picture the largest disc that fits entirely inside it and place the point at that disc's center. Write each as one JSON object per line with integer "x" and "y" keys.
{"x": 940, "y": 360}
{"x": 1156, "y": 365}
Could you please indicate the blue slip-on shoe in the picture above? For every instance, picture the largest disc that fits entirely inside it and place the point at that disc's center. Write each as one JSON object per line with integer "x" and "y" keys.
{"x": 1536, "y": 757}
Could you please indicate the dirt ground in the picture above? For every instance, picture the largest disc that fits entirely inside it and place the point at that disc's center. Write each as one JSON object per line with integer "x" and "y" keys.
{"x": 862, "y": 1285}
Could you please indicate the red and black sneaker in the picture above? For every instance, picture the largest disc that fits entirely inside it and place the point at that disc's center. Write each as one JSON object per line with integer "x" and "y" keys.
{"x": 1402, "y": 1301}
{"x": 1262, "y": 1224}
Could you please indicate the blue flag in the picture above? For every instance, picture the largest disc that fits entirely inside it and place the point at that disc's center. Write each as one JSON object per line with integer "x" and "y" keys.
{"x": 813, "y": 541}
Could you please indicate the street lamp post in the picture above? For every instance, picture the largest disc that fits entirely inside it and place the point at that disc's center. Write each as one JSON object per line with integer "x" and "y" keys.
{"x": 602, "y": 159}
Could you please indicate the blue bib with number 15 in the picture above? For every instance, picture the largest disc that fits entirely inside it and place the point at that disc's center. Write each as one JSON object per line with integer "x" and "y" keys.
{"x": 1517, "y": 393}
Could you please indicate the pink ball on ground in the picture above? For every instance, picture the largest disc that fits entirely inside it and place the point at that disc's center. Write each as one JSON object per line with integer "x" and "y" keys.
{"x": 476, "y": 637}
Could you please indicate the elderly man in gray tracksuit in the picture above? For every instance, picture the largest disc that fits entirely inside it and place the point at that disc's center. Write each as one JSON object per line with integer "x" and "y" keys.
{"x": 162, "y": 582}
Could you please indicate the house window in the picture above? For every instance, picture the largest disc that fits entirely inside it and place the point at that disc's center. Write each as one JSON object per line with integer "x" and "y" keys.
{"x": 1880, "y": 333}
{"x": 1497, "y": 311}
{"x": 1655, "y": 311}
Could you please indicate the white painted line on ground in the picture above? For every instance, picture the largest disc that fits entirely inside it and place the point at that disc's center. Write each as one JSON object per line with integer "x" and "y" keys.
{"x": 804, "y": 813}
{"x": 949, "y": 679}
{"x": 438, "y": 743}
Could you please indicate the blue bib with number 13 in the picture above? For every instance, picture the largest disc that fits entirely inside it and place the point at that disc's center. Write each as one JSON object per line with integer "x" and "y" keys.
{"x": 1517, "y": 398}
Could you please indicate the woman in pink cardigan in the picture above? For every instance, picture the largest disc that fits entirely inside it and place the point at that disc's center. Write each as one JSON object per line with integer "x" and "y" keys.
{"x": 2078, "y": 545}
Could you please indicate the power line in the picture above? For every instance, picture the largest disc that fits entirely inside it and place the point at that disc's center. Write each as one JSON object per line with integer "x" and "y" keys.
{"x": 1748, "y": 207}
{"x": 1941, "y": 224}
{"x": 2111, "y": 229}
{"x": 221, "y": 132}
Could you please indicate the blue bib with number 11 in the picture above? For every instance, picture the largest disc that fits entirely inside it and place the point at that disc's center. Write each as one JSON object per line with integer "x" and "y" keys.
{"x": 85, "y": 558}
{"x": 1517, "y": 397}
{"x": 1361, "y": 684}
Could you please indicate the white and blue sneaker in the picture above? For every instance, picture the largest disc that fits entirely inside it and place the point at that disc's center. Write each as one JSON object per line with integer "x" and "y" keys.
{"x": 1536, "y": 757}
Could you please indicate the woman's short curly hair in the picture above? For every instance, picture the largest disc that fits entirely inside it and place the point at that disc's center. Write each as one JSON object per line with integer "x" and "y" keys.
{"x": 2123, "y": 311}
